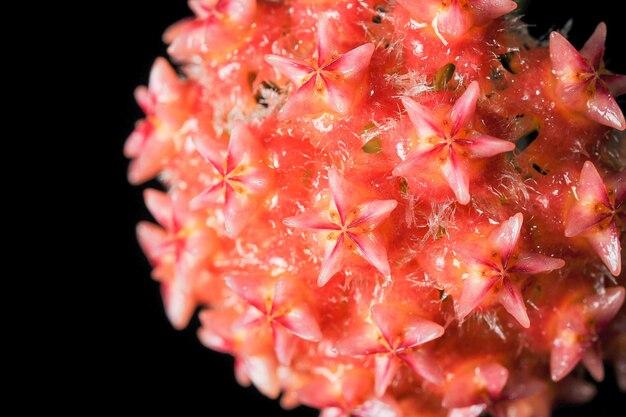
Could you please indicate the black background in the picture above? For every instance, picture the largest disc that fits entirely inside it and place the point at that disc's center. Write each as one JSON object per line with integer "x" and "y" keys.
{"x": 142, "y": 352}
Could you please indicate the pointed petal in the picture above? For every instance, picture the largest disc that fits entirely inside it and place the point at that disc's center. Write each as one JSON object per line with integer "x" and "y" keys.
{"x": 582, "y": 218}
{"x": 491, "y": 9}
{"x": 424, "y": 366}
{"x": 454, "y": 20}
{"x": 284, "y": 344}
{"x": 211, "y": 150}
{"x": 178, "y": 305}
{"x": 160, "y": 206}
{"x": 244, "y": 148}
{"x": 312, "y": 220}
{"x": 593, "y": 50}
{"x": 474, "y": 291}
{"x": 416, "y": 159}
{"x": 605, "y": 241}
{"x": 592, "y": 360}
{"x": 339, "y": 95}
{"x": 504, "y": 238}
{"x": 615, "y": 83}
{"x": 325, "y": 41}
{"x": 333, "y": 260}
{"x": 353, "y": 65}
{"x": 164, "y": 83}
{"x": 463, "y": 110}
{"x": 365, "y": 340}
{"x": 238, "y": 210}
{"x": 371, "y": 247}
{"x": 471, "y": 387}
{"x": 603, "y": 108}
{"x": 154, "y": 156}
{"x": 386, "y": 368}
{"x": 533, "y": 263}
{"x": 511, "y": 298}
{"x": 319, "y": 392}
{"x": 422, "y": 118}
{"x": 215, "y": 331}
{"x": 471, "y": 411}
{"x": 153, "y": 241}
{"x": 301, "y": 322}
{"x": 372, "y": 213}
{"x": 262, "y": 372}
{"x": 604, "y": 308}
{"x": 591, "y": 188}
{"x": 565, "y": 355}
{"x": 136, "y": 140}
{"x": 403, "y": 330}
{"x": 341, "y": 192}
{"x": 207, "y": 196}
{"x": 290, "y": 68}
{"x": 485, "y": 146}
{"x": 251, "y": 288}
{"x": 457, "y": 178}
{"x": 565, "y": 58}
{"x": 305, "y": 101}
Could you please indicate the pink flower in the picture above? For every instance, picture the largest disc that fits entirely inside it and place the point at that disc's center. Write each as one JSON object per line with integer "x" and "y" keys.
{"x": 398, "y": 332}
{"x": 450, "y": 142}
{"x": 595, "y": 213}
{"x": 328, "y": 83}
{"x": 243, "y": 176}
{"x": 493, "y": 263}
{"x": 578, "y": 332}
{"x": 453, "y": 18}
{"x": 583, "y": 84}
{"x": 349, "y": 226}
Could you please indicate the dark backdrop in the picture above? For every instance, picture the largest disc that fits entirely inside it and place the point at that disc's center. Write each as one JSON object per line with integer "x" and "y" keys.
{"x": 151, "y": 363}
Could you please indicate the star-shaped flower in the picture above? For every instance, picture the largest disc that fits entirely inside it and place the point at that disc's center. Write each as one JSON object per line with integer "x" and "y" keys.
{"x": 453, "y": 18}
{"x": 345, "y": 392}
{"x": 177, "y": 254}
{"x": 470, "y": 391}
{"x": 448, "y": 143}
{"x": 394, "y": 340}
{"x": 165, "y": 104}
{"x": 595, "y": 214}
{"x": 349, "y": 226}
{"x": 244, "y": 176}
{"x": 328, "y": 82}
{"x": 280, "y": 304}
{"x": 583, "y": 84}
{"x": 492, "y": 265}
{"x": 217, "y": 26}
{"x": 578, "y": 330}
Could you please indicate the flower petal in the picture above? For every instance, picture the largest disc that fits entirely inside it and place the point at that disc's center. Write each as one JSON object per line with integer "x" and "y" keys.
{"x": 164, "y": 83}
{"x": 491, "y": 9}
{"x": 305, "y": 101}
{"x": 592, "y": 361}
{"x": 154, "y": 156}
{"x": 215, "y": 331}
{"x": 312, "y": 220}
{"x": 484, "y": 146}
{"x": 456, "y": 176}
{"x": 412, "y": 164}
{"x": 377, "y": 407}
{"x": 566, "y": 60}
{"x": 364, "y": 340}
{"x": 325, "y": 41}
{"x": 341, "y": 192}
{"x": 464, "y": 108}
{"x": 403, "y": 329}
{"x": 511, "y": 298}
{"x": 290, "y": 68}
{"x": 353, "y": 65}
{"x": 603, "y": 108}
{"x": 251, "y": 288}
{"x": 475, "y": 289}
{"x": 422, "y": 118}
{"x": 372, "y": 213}
{"x": 178, "y": 304}
{"x": 605, "y": 241}
{"x": 160, "y": 206}
{"x": 533, "y": 263}
{"x": 386, "y": 368}
{"x": 211, "y": 150}
{"x": 333, "y": 260}
{"x": 505, "y": 237}
{"x": 300, "y": 321}
{"x": 238, "y": 210}
{"x": 244, "y": 148}
{"x": 284, "y": 344}
{"x": 453, "y": 20}
{"x": 616, "y": 83}
{"x": 153, "y": 240}
{"x": 423, "y": 365}
{"x": 593, "y": 50}
{"x": 565, "y": 354}
{"x": 370, "y": 246}
{"x": 478, "y": 385}
{"x": 261, "y": 370}
{"x": 602, "y": 309}
{"x": 471, "y": 411}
